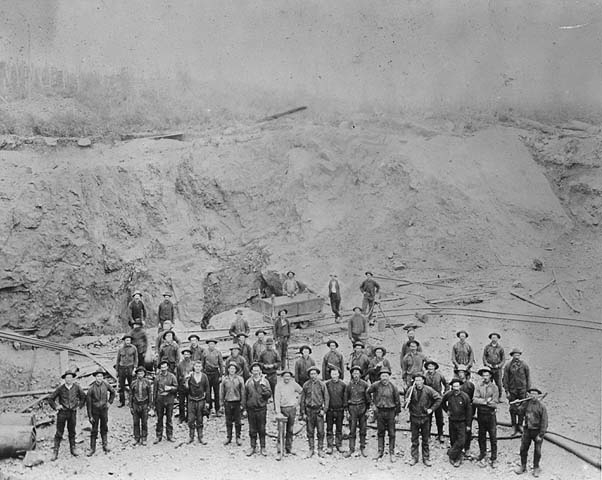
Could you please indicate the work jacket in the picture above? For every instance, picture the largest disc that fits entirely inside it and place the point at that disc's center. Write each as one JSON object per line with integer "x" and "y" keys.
{"x": 99, "y": 396}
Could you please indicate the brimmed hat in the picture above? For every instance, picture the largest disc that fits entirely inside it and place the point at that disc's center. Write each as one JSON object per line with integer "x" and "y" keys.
{"x": 462, "y": 331}
{"x": 127, "y": 335}
{"x": 368, "y": 273}
{"x": 336, "y": 344}
{"x": 357, "y": 308}
{"x": 290, "y": 271}
{"x": 455, "y": 380}
{"x": 238, "y": 310}
{"x": 483, "y": 369}
{"x": 286, "y": 370}
{"x": 141, "y": 369}
{"x": 255, "y": 364}
{"x": 313, "y": 368}
{"x": 234, "y": 347}
{"x": 355, "y": 367}
{"x": 282, "y": 310}
{"x": 242, "y": 334}
{"x": 303, "y": 347}
{"x": 163, "y": 362}
{"x": 260, "y": 331}
{"x": 185, "y": 351}
{"x": 411, "y": 326}
{"x": 194, "y": 335}
{"x": 385, "y": 370}
{"x": 516, "y": 350}
{"x": 138, "y": 321}
{"x": 494, "y": 333}
{"x": 168, "y": 331}
{"x": 533, "y": 389}
{"x": 68, "y": 372}
{"x": 418, "y": 374}
{"x": 269, "y": 341}
{"x": 358, "y": 344}
{"x": 99, "y": 371}
{"x": 382, "y": 349}
{"x": 431, "y": 362}
{"x": 211, "y": 340}
{"x": 232, "y": 364}
{"x": 137, "y": 292}
{"x": 413, "y": 341}
{"x": 461, "y": 368}
{"x": 167, "y": 294}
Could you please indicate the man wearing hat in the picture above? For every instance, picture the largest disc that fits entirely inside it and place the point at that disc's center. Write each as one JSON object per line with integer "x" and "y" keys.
{"x": 314, "y": 403}
{"x": 127, "y": 361}
{"x": 232, "y": 392}
{"x": 458, "y": 407}
{"x": 242, "y": 367}
{"x": 410, "y": 329}
{"x": 422, "y": 402}
{"x": 197, "y": 386}
{"x": 100, "y": 395}
{"x": 359, "y": 358}
{"x": 536, "y": 425}
{"x": 286, "y": 399}
{"x": 257, "y": 394}
{"x": 333, "y": 358}
{"x": 197, "y": 352}
{"x": 239, "y": 325}
{"x": 334, "y": 294}
{"x": 213, "y": 366}
{"x": 336, "y": 410}
{"x": 412, "y": 363}
{"x": 290, "y": 287}
{"x": 468, "y": 388}
{"x": 357, "y": 401}
{"x": 385, "y": 398}
{"x": 516, "y": 381}
{"x": 165, "y": 388}
{"x": 370, "y": 290}
{"x": 303, "y": 364}
{"x": 434, "y": 379}
{"x": 357, "y": 325}
{"x": 182, "y": 373}
{"x": 136, "y": 309}
{"x": 486, "y": 397}
{"x": 282, "y": 333}
{"x": 166, "y": 311}
{"x": 70, "y": 397}
{"x": 462, "y": 353}
{"x": 259, "y": 345}
{"x": 140, "y": 341}
{"x": 141, "y": 398}
{"x": 270, "y": 361}
{"x": 245, "y": 348}
{"x": 169, "y": 351}
{"x": 167, "y": 327}
{"x": 376, "y": 363}
{"x": 494, "y": 357}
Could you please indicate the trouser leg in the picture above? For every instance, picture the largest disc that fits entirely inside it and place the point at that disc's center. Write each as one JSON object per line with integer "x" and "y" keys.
{"x": 261, "y": 427}
{"x": 182, "y": 401}
{"x": 310, "y": 427}
{"x": 340, "y": 415}
{"x": 381, "y": 427}
{"x": 272, "y": 380}
{"x": 537, "y": 450}
{"x": 121, "y": 373}
{"x": 439, "y": 421}
{"x": 160, "y": 416}
{"x": 525, "y": 443}
{"x": 136, "y": 420}
{"x": 390, "y": 427}
{"x": 252, "y": 419}
{"x": 425, "y": 432}
{"x": 329, "y": 428}
{"x": 492, "y": 430}
{"x": 468, "y": 437}
{"x": 95, "y": 423}
{"x": 169, "y": 419}
{"x": 363, "y": 426}
{"x": 61, "y": 421}
{"x": 482, "y": 422}
{"x": 496, "y": 375}
{"x": 143, "y": 414}
{"x": 353, "y": 422}
{"x": 104, "y": 422}
{"x": 415, "y": 432}
{"x": 458, "y": 434}
{"x": 229, "y": 419}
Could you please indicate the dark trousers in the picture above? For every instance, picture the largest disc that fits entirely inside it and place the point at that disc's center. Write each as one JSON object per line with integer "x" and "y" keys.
{"x": 529, "y": 436}
{"x": 368, "y": 307}
{"x": 357, "y": 418}
{"x": 182, "y": 403}
{"x": 165, "y": 411}
{"x": 516, "y": 419}
{"x": 272, "y": 379}
{"x": 457, "y": 436}
{"x": 289, "y": 413}
{"x": 213, "y": 398}
{"x": 496, "y": 376}
{"x": 283, "y": 351}
{"x": 315, "y": 425}
{"x": 140, "y": 418}
{"x": 124, "y": 374}
{"x": 487, "y": 425}
{"x": 334, "y": 418}
{"x": 195, "y": 413}
{"x": 69, "y": 418}
{"x": 256, "y": 418}
{"x": 385, "y": 423}
{"x": 335, "y": 304}
{"x": 100, "y": 416}
{"x": 421, "y": 429}
{"x": 233, "y": 412}
{"x": 438, "y": 420}
{"x": 468, "y": 437}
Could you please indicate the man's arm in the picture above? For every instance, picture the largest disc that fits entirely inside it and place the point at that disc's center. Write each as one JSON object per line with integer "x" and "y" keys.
{"x": 543, "y": 424}
{"x": 326, "y": 397}
{"x": 479, "y": 398}
{"x": 220, "y": 363}
{"x": 485, "y": 362}
{"x": 528, "y": 376}
{"x": 436, "y": 400}
{"x": 143, "y": 310}
{"x": 470, "y": 356}
{"x": 52, "y": 398}
{"x": 111, "y": 393}
{"x": 468, "y": 414}
{"x": 89, "y": 402}
{"x": 453, "y": 356}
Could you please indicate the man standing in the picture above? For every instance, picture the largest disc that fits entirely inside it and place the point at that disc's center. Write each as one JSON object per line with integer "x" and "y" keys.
{"x": 303, "y": 364}
{"x": 282, "y": 333}
{"x": 334, "y": 293}
{"x": 239, "y": 325}
{"x": 270, "y": 361}
{"x": 127, "y": 361}
{"x": 242, "y": 367}
{"x": 141, "y": 397}
{"x": 245, "y": 348}
{"x": 166, "y": 311}
{"x": 70, "y": 396}
{"x": 336, "y": 410}
{"x": 164, "y": 394}
{"x": 182, "y": 371}
{"x": 377, "y": 363}
{"x": 314, "y": 404}
{"x": 468, "y": 388}
{"x": 197, "y": 353}
{"x": 437, "y": 382}
{"x": 357, "y": 325}
{"x": 290, "y": 287}
{"x": 100, "y": 396}
{"x": 160, "y": 341}
{"x": 423, "y": 401}
{"x": 232, "y": 392}
{"x": 136, "y": 309}
{"x": 385, "y": 398}
{"x": 213, "y": 366}
{"x": 412, "y": 363}
{"x": 494, "y": 358}
{"x": 140, "y": 341}
{"x": 359, "y": 358}
{"x": 486, "y": 397}
{"x": 357, "y": 401}
{"x": 169, "y": 351}
{"x": 410, "y": 329}
{"x": 458, "y": 406}
{"x": 257, "y": 394}
{"x": 370, "y": 290}
{"x": 333, "y": 358}
{"x": 517, "y": 381}
{"x": 462, "y": 353}
{"x": 536, "y": 425}
{"x": 286, "y": 399}
{"x": 197, "y": 386}
{"x": 259, "y": 345}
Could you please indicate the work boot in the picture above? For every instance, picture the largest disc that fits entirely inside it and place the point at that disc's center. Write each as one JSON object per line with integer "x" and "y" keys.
{"x": 157, "y": 440}
{"x": 143, "y": 442}
{"x": 170, "y": 438}
{"x": 381, "y": 448}
{"x": 229, "y": 441}
{"x": 262, "y": 452}
{"x": 427, "y": 462}
{"x": 329, "y": 450}
{"x": 520, "y": 470}
{"x": 310, "y": 453}
{"x": 363, "y": 452}
{"x": 191, "y": 435}
{"x": 105, "y": 444}
{"x": 536, "y": 471}
{"x": 351, "y": 448}
{"x": 493, "y": 463}
{"x": 413, "y": 462}
{"x": 440, "y": 439}
{"x": 92, "y": 447}
{"x": 251, "y": 452}
{"x": 202, "y": 441}
{"x": 72, "y": 448}
{"x": 320, "y": 452}
{"x": 238, "y": 442}
{"x": 392, "y": 450}
{"x": 55, "y": 450}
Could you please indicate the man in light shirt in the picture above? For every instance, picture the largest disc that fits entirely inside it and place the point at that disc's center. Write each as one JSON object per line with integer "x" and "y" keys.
{"x": 286, "y": 400}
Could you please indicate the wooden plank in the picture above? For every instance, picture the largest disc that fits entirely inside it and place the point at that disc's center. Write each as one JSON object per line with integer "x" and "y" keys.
{"x": 561, "y": 294}
{"x": 520, "y": 297}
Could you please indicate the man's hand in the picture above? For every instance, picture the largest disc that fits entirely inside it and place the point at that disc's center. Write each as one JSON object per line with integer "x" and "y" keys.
{"x": 468, "y": 428}
{"x": 429, "y": 410}
{"x": 59, "y": 407}
{"x": 539, "y": 437}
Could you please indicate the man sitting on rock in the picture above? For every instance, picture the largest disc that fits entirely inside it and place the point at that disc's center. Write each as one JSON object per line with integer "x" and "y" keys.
{"x": 290, "y": 287}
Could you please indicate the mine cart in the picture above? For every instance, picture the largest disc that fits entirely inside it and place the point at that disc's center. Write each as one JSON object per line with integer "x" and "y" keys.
{"x": 302, "y": 309}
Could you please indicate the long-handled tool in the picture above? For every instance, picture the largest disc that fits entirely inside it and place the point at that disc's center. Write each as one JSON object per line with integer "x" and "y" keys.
{"x": 280, "y": 439}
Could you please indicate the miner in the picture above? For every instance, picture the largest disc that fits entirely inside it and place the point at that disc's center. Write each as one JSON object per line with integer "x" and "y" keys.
{"x": 141, "y": 398}
{"x": 136, "y": 309}
{"x": 458, "y": 406}
{"x": 536, "y": 424}
{"x": 334, "y": 358}
{"x": 334, "y": 294}
{"x": 239, "y": 325}
{"x": 385, "y": 398}
{"x": 486, "y": 398}
{"x": 100, "y": 396}
{"x": 494, "y": 357}
{"x": 422, "y": 402}
{"x": 336, "y": 410}
{"x": 127, "y": 361}
{"x": 282, "y": 333}
{"x": 286, "y": 399}
{"x": 166, "y": 311}
{"x": 370, "y": 290}
{"x": 434, "y": 379}
{"x": 164, "y": 393}
{"x": 232, "y": 393}
{"x": 516, "y": 381}
{"x": 257, "y": 394}
{"x": 197, "y": 386}
{"x": 270, "y": 362}
{"x": 213, "y": 366}
{"x": 303, "y": 364}
{"x": 357, "y": 401}
{"x": 314, "y": 403}
{"x": 182, "y": 371}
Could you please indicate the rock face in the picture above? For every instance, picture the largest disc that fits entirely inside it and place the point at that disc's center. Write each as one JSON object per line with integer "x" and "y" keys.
{"x": 82, "y": 229}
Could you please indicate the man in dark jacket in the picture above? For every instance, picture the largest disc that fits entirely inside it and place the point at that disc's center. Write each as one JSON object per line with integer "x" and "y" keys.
{"x": 422, "y": 402}
{"x": 377, "y": 363}
{"x": 334, "y": 293}
{"x": 336, "y": 411}
{"x": 303, "y": 364}
{"x": 165, "y": 389}
{"x": 536, "y": 425}
{"x": 166, "y": 311}
{"x": 242, "y": 367}
{"x": 141, "y": 398}
{"x": 458, "y": 406}
{"x": 314, "y": 403}
{"x": 360, "y": 358}
{"x": 182, "y": 371}
{"x": 357, "y": 325}
{"x": 333, "y": 358}
{"x": 516, "y": 381}
{"x": 435, "y": 380}
{"x": 494, "y": 357}
{"x": 370, "y": 290}
{"x": 357, "y": 400}
{"x": 197, "y": 352}
{"x": 100, "y": 396}
{"x": 213, "y": 366}
{"x": 245, "y": 349}
{"x": 410, "y": 329}
{"x": 169, "y": 351}
{"x": 136, "y": 309}
{"x": 127, "y": 361}
{"x": 385, "y": 398}
{"x": 140, "y": 341}
{"x": 257, "y": 394}
{"x": 239, "y": 325}
{"x": 259, "y": 345}
{"x": 197, "y": 385}
{"x": 232, "y": 393}
{"x": 282, "y": 333}
{"x": 485, "y": 401}
{"x": 270, "y": 361}
{"x": 468, "y": 388}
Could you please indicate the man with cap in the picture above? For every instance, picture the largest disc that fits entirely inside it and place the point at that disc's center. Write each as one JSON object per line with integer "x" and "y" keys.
{"x": 370, "y": 290}
{"x": 462, "y": 353}
{"x": 357, "y": 325}
{"x": 333, "y": 358}
{"x": 494, "y": 357}
{"x": 165, "y": 388}
{"x": 259, "y": 345}
{"x": 136, "y": 309}
{"x": 242, "y": 367}
{"x": 167, "y": 327}
{"x": 516, "y": 381}
{"x": 536, "y": 425}
{"x": 140, "y": 341}
{"x": 166, "y": 311}
{"x": 458, "y": 407}
{"x": 197, "y": 385}
{"x": 100, "y": 395}
{"x": 360, "y": 358}
{"x": 270, "y": 361}
{"x": 127, "y": 361}
{"x": 385, "y": 398}
{"x": 486, "y": 397}
{"x": 412, "y": 363}
{"x": 290, "y": 286}
{"x": 70, "y": 396}
{"x": 334, "y": 294}
{"x": 239, "y": 325}
{"x": 257, "y": 394}
{"x": 182, "y": 372}
{"x": 282, "y": 333}
{"x": 336, "y": 410}
{"x": 357, "y": 401}
{"x": 422, "y": 401}
{"x": 286, "y": 399}
{"x": 468, "y": 388}
{"x": 232, "y": 393}
{"x": 376, "y": 363}
{"x": 213, "y": 366}
{"x": 314, "y": 403}
{"x": 245, "y": 348}
{"x": 410, "y": 329}
{"x": 141, "y": 398}
{"x": 303, "y": 364}
{"x": 197, "y": 352}
{"x": 169, "y": 351}
{"x": 434, "y": 379}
